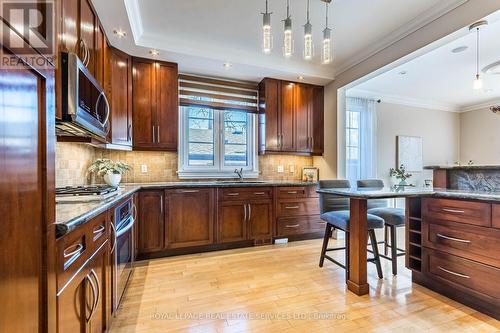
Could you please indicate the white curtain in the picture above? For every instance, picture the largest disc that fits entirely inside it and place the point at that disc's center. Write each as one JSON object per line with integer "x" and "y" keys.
{"x": 364, "y": 115}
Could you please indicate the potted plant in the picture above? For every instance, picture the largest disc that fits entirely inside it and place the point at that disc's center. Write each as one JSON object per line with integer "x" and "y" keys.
{"x": 111, "y": 171}
{"x": 401, "y": 174}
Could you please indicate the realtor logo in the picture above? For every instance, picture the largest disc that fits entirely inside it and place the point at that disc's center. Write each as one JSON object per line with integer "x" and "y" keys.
{"x": 28, "y": 25}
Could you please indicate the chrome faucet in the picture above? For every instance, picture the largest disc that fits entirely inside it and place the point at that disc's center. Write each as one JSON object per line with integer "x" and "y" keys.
{"x": 239, "y": 173}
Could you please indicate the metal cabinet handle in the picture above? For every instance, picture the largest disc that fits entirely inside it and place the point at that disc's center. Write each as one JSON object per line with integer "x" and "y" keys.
{"x": 94, "y": 297}
{"x": 321, "y": 222}
{"x": 259, "y": 193}
{"x": 77, "y": 248}
{"x": 114, "y": 237}
{"x": 134, "y": 214}
{"x": 99, "y": 230}
{"x": 98, "y": 288}
{"x": 245, "y": 212}
{"x": 453, "y": 239}
{"x": 292, "y": 207}
{"x": 292, "y": 192}
{"x": 249, "y": 212}
{"x": 454, "y": 273}
{"x": 154, "y": 136}
{"x": 292, "y": 226}
{"x": 455, "y": 211}
{"x": 190, "y": 191}
{"x": 158, "y": 133}
{"x": 233, "y": 194}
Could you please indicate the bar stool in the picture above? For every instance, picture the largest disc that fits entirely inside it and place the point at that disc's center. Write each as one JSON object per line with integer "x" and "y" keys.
{"x": 393, "y": 217}
{"x": 335, "y": 212}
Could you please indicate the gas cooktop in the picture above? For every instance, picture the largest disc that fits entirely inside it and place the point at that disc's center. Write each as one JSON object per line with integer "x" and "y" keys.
{"x": 85, "y": 193}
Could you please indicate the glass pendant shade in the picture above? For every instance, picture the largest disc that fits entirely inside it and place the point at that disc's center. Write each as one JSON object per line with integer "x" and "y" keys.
{"x": 267, "y": 37}
{"x": 326, "y": 52}
{"x": 478, "y": 83}
{"x": 288, "y": 38}
{"x": 308, "y": 42}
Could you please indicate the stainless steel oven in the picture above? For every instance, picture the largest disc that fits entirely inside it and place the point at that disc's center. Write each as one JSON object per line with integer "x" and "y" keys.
{"x": 123, "y": 248}
{"x": 85, "y": 108}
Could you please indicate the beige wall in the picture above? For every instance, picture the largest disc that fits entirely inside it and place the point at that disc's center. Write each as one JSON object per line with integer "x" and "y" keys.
{"x": 439, "y": 131}
{"x": 73, "y": 159}
{"x": 454, "y": 20}
{"x": 480, "y": 137}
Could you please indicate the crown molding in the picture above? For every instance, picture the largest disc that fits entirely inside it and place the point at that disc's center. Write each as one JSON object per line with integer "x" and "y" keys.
{"x": 480, "y": 106}
{"x": 403, "y": 100}
{"x": 407, "y": 29}
{"x": 134, "y": 18}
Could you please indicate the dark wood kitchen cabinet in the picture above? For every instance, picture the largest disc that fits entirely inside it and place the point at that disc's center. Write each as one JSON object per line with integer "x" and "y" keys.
{"x": 155, "y": 105}
{"x": 119, "y": 91}
{"x": 291, "y": 118}
{"x": 151, "y": 221}
{"x": 233, "y": 226}
{"x": 189, "y": 217}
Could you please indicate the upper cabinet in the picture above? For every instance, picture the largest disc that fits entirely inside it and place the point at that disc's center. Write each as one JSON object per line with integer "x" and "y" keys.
{"x": 290, "y": 117}
{"x": 155, "y": 105}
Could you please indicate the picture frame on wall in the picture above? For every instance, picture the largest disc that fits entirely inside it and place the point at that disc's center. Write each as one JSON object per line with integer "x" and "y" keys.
{"x": 409, "y": 151}
{"x": 310, "y": 174}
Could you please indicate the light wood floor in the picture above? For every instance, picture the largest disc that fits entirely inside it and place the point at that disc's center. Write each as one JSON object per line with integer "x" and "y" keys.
{"x": 281, "y": 289}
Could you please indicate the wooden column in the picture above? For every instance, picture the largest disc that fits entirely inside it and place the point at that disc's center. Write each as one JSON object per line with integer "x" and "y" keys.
{"x": 358, "y": 239}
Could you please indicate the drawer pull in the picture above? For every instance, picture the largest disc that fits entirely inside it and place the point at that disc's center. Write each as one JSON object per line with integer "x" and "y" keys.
{"x": 98, "y": 231}
{"x": 233, "y": 194}
{"x": 292, "y": 192}
{"x": 259, "y": 193}
{"x": 292, "y": 226}
{"x": 455, "y": 211}
{"x": 77, "y": 249}
{"x": 454, "y": 273}
{"x": 453, "y": 239}
{"x": 321, "y": 222}
{"x": 190, "y": 191}
{"x": 292, "y": 207}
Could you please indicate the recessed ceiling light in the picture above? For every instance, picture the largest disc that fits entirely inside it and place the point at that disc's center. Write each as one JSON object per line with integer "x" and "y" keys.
{"x": 120, "y": 33}
{"x": 300, "y": 78}
{"x": 493, "y": 69}
{"x": 459, "y": 49}
{"x": 227, "y": 65}
{"x": 403, "y": 73}
{"x": 154, "y": 53}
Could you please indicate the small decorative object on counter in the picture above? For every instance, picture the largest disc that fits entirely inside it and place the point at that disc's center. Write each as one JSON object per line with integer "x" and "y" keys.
{"x": 111, "y": 171}
{"x": 310, "y": 174}
{"x": 401, "y": 174}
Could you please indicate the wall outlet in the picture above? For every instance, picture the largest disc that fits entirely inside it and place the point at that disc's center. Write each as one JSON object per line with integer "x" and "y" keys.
{"x": 281, "y": 241}
{"x": 291, "y": 167}
{"x": 144, "y": 168}
{"x": 281, "y": 169}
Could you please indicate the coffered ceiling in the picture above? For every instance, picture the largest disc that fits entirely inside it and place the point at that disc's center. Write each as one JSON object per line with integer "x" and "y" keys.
{"x": 201, "y": 35}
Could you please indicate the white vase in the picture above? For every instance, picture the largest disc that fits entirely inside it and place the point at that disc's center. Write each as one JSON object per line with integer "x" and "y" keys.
{"x": 112, "y": 179}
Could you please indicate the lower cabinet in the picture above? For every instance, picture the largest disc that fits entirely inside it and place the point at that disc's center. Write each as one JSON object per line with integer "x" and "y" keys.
{"x": 81, "y": 303}
{"x": 189, "y": 217}
{"x": 233, "y": 225}
{"x": 151, "y": 221}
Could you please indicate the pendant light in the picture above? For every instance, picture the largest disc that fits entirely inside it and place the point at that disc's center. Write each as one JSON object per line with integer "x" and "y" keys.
{"x": 267, "y": 37}
{"x": 326, "y": 52}
{"x": 288, "y": 37}
{"x": 308, "y": 42}
{"x": 478, "y": 81}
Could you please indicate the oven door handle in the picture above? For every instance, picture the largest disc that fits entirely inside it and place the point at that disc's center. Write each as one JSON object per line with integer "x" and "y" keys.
{"x": 126, "y": 228}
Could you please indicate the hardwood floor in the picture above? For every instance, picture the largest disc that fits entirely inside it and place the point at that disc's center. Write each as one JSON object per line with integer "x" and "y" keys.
{"x": 282, "y": 289}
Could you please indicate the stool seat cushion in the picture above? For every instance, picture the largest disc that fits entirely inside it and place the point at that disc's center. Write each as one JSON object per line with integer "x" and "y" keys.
{"x": 340, "y": 220}
{"x": 391, "y": 216}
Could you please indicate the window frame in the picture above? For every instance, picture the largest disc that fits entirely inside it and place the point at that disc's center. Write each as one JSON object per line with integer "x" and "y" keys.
{"x": 218, "y": 170}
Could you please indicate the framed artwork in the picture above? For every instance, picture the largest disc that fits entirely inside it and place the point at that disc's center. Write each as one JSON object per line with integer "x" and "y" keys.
{"x": 310, "y": 174}
{"x": 409, "y": 152}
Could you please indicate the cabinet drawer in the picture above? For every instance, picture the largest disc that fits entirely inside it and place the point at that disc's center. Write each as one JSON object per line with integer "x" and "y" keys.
{"x": 476, "y": 278}
{"x": 98, "y": 231}
{"x": 245, "y": 193}
{"x": 298, "y": 207}
{"x": 292, "y": 192}
{"x": 72, "y": 252}
{"x": 467, "y": 212}
{"x": 496, "y": 216}
{"x": 473, "y": 242}
{"x": 299, "y": 225}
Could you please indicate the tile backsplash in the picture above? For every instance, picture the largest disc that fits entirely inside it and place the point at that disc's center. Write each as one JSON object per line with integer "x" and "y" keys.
{"x": 73, "y": 159}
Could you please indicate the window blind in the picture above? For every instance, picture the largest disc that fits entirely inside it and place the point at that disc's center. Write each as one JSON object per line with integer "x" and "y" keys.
{"x": 218, "y": 94}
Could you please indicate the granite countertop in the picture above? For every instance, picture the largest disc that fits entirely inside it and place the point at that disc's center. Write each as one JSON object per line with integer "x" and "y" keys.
{"x": 462, "y": 167}
{"x": 70, "y": 215}
{"x": 378, "y": 193}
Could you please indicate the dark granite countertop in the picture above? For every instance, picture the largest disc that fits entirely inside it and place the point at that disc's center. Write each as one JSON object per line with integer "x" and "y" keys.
{"x": 378, "y": 193}
{"x": 73, "y": 214}
{"x": 462, "y": 167}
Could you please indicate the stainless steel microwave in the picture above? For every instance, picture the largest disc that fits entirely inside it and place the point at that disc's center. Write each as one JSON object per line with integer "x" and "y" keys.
{"x": 85, "y": 107}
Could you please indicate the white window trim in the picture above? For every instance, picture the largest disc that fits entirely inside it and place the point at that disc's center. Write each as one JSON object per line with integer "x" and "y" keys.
{"x": 186, "y": 171}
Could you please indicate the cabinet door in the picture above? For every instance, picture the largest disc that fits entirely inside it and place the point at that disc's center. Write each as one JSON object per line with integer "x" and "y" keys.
{"x": 99, "y": 54}
{"x": 317, "y": 121}
{"x": 151, "y": 221}
{"x": 167, "y": 113}
{"x": 260, "y": 218}
{"x": 69, "y": 28}
{"x": 121, "y": 97}
{"x": 232, "y": 221}
{"x": 72, "y": 307}
{"x": 303, "y": 112}
{"x": 287, "y": 116}
{"x": 143, "y": 78}
{"x": 87, "y": 34}
{"x": 269, "y": 135}
{"x": 190, "y": 217}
